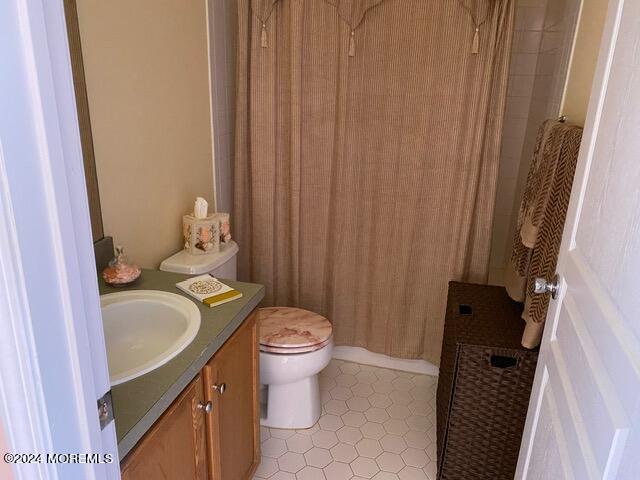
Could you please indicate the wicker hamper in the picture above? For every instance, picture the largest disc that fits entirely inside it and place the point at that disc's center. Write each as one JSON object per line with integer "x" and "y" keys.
{"x": 484, "y": 384}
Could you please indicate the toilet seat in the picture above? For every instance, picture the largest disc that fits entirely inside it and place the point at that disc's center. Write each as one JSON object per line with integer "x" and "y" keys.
{"x": 289, "y": 330}
{"x": 293, "y": 350}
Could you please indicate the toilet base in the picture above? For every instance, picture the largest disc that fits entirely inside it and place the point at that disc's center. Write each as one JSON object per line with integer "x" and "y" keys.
{"x": 292, "y": 405}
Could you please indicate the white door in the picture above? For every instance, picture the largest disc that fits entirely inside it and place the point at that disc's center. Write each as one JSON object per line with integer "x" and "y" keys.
{"x": 584, "y": 415}
{"x": 53, "y": 364}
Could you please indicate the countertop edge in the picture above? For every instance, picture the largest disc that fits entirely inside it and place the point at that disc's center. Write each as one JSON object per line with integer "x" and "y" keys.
{"x": 133, "y": 436}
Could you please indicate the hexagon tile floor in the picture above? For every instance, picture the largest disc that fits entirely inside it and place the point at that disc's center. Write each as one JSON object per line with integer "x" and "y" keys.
{"x": 376, "y": 423}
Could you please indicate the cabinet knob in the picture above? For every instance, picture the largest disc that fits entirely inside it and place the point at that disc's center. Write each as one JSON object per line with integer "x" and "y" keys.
{"x": 206, "y": 407}
{"x": 219, "y": 387}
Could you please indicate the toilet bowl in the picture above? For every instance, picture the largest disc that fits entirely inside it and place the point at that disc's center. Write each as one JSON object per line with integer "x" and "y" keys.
{"x": 295, "y": 345}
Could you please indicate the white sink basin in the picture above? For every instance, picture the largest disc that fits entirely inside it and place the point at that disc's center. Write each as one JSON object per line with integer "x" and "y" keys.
{"x": 144, "y": 329}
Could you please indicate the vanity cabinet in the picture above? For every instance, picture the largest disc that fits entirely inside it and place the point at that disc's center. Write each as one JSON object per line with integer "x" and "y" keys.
{"x": 231, "y": 385}
{"x": 175, "y": 447}
{"x": 212, "y": 430}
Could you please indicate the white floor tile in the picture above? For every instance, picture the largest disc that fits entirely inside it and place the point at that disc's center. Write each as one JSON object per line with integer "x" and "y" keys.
{"x": 350, "y": 435}
{"x": 364, "y": 467}
{"x": 299, "y": 443}
{"x": 376, "y": 424}
{"x": 372, "y": 430}
{"x": 393, "y": 443}
{"x": 390, "y": 462}
{"x": 343, "y": 452}
{"x": 291, "y": 462}
{"x": 369, "y": 448}
{"x": 318, "y": 457}
{"x": 310, "y": 473}
{"x": 324, "y": 439}
{"x": 338, "y": 471}
{"x": 412, "y": 473}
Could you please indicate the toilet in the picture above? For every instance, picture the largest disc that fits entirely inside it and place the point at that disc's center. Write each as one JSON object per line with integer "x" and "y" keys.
{"x": 295, "y": 345}
{"x": 222, "y": 264}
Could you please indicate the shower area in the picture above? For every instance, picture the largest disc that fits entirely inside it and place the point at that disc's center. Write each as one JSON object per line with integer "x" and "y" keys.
{"x": 371, "y": 151}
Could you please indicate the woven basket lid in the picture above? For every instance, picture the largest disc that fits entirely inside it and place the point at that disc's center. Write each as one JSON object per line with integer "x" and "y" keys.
{"x": 295, "y": 328}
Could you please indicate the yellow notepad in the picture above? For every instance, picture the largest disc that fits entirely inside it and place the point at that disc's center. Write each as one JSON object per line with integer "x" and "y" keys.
{"x": 209, "y": 290}
{"x": 222, "y": 298}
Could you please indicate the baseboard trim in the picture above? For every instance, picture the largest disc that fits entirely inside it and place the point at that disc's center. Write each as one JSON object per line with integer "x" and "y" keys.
{"x": 364, "y": 356}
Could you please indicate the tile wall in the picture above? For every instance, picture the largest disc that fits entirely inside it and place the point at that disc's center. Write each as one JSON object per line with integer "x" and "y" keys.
{"x": 541, "y": 49}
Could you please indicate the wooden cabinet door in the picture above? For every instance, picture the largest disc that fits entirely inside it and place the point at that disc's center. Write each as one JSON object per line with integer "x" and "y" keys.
{"x": 234, "y": 426}
{"x": 175, "y": 447}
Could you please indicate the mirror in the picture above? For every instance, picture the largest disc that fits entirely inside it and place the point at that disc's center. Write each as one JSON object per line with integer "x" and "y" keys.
{"x": 82, "y": 106}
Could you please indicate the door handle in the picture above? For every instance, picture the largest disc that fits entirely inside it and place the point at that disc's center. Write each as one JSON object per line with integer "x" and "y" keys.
{"x": 541, "y": 285}
{"x": 205, "y": 407}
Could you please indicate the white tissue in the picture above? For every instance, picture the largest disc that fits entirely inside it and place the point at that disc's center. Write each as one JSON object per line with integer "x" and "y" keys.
{"x": 200, "y": 208}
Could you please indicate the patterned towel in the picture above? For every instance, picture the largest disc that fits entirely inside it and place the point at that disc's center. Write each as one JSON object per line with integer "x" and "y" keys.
{"x": 541, "y": 221}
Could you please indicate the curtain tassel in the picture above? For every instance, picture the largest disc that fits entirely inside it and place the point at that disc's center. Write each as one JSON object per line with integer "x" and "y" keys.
{"x": 352, "y": 44}
{"x": 263, "y": 36}
{"x": 475, "y": 45}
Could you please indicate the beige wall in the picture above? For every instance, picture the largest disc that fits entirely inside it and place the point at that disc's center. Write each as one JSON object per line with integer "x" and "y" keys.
{"x": 146, "y": 66}
{"x": 583, "y": 62}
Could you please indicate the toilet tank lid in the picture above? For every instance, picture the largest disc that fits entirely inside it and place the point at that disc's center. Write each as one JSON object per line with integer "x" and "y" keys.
{"x": 184, "y": 262}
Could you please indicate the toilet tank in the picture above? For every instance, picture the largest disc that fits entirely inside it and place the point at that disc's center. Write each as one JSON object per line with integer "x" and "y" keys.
{"x": 222, "y": 264}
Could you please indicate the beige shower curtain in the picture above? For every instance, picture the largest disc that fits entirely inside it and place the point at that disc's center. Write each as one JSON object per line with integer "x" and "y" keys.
{"x": 367, "y": 147}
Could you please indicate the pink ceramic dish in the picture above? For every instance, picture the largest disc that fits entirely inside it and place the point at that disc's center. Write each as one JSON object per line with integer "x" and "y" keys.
{"x": 121, "y": 275}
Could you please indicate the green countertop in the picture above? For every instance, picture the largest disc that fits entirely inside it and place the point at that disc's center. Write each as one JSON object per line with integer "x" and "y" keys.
{"x": 138, "y": 403}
